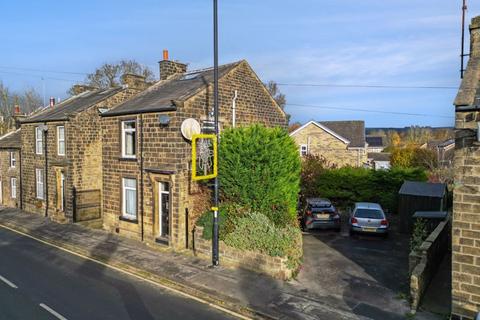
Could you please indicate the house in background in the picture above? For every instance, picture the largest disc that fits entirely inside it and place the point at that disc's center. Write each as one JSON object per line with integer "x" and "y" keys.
{"x": 466, "y": 194}
{"x": 61, "y": 165}
{"x": 341, "y": 143}
{"x": 444, "y": 150}
{"x": 379, "y": 160}
{"x": 375, "y": 144}
{"x": 10, "y": 146}
{"x": 147, "y": 187}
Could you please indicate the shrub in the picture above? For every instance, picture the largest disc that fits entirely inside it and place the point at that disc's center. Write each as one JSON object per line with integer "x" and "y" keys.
{"x": 347, "y": 185}
{"x": 256, "y": 232}
{"x": 419, "y": 234}
{"x": 226, "y": 214}
{"x": 259, "y": 169}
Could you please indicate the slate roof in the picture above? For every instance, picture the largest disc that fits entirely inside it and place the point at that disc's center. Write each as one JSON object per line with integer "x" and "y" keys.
{"x": 65, "y": 109}
{"x": 375, "y": 141}
{"x": 11, "y": 140}
{"x": 162, "y": 95}
{"x": 354, "y": 131}
{"x": 379, "y": 156}
{"x": 424, "y": 189}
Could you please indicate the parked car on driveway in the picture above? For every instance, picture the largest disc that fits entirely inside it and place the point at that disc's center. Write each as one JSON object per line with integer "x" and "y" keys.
{"x": 368, "y": 217}
{"x": 320, "y": 213}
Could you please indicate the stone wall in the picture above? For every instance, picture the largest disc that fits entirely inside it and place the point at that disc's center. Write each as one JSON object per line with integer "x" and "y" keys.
{"x": 331, "y": 148}
{"x": 466, "y": 233}
{"x": 6, "y": 173}
{"x": 424, "y": 263}
{"x": 166, "y": 156}
{"x": 255, "y": 261}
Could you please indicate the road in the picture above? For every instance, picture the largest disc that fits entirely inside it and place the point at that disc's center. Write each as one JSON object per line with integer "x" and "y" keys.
{"x": 38, "y": 281}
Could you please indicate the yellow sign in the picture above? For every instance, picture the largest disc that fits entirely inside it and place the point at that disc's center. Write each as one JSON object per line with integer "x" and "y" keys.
{"x": 204, "y": 157}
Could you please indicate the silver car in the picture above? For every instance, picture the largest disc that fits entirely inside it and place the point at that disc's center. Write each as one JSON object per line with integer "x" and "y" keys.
{"x": 367, "y": 217}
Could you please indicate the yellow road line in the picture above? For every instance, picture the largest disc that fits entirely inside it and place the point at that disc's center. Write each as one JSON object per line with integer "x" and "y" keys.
{"x": 230, "y": 312}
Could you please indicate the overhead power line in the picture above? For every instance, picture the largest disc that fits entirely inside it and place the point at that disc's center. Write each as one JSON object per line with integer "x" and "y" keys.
{"x": 37, "y": 76}
{"x": 369, "y": 110}
{"x": 47, "y": 71}
{"x": 333, "y": 85}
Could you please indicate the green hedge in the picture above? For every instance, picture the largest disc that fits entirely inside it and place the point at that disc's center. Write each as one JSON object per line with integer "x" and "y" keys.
{"x": 347, "y": 185}
{"x": 259, "y": 169}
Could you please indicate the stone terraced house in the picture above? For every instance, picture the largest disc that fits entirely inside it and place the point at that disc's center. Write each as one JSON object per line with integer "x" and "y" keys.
{"x": 61, "y": 165}
{"x": 340, "y": 142}
{"x": 466, "y": 203}
{"x": 10, "y": 146}
{"x": 147, "y": 187}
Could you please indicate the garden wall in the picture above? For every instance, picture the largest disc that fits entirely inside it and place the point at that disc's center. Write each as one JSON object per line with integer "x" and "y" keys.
{"x": 424, "y": 262}
{"x": 255, "y": 261}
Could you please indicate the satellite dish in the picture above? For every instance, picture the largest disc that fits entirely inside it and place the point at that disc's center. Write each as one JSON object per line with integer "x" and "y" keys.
{"x": 190, "y": 127}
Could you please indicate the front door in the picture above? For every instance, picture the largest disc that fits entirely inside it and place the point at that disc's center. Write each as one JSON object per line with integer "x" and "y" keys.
{"x": 164, "y": 209}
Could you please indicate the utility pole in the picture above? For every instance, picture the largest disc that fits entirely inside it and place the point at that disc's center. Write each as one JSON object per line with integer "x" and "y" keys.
{"x": 463, "y": 55}
{"x": 215, "y": 261}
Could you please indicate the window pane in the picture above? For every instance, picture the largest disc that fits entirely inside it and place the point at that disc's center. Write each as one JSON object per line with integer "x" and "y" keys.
{"x": 130, "y": 183}
{"x": 61, "y": 147}
{"x": 61, "y": 133}
{"x": 164, "y": 186}
{"x": 129, "y": 143}
{"x": 131, "y": 202}
{"x": 129, "y": 125}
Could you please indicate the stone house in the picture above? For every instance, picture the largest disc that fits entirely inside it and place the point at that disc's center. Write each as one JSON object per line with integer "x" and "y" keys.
{"x": 10, "y": 146}
{"x": 148, "y": 191}
{"x": 379, "y": 160}
{"x": 444, "y": 149}
{"x": 341, "y": 143}
{"x": 61, "y": 165}
{"x": 466, "y": 194}
{"x": 375, "y": 144}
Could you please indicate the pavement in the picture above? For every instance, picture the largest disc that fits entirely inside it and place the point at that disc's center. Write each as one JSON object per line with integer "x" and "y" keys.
{"x": 38, "y": 281}
{"x": 328, "y": 295}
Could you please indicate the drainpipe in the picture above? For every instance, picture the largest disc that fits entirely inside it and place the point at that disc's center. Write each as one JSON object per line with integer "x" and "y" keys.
{"x": 141, "y": 174}
{"x": 20, "y": 177}
{"x": 45, "y": 176}
{"x": 234, "y": 100}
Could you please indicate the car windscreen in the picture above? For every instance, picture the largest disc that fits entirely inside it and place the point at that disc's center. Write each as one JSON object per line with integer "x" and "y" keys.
{"x": 323, "y": 209}
{"x": 368, "y": 213}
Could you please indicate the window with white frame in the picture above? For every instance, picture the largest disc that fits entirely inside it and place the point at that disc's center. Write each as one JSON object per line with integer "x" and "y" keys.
{"x": 129, "y": 139}
{"x": 39, "y": 183}
{"x": 13, "y": 187}
{"x": 38, "y": 140}
{"x": 61, "y": 140}
{"x": 303, "y": 150}
{"x": 129, "y": 198}
{"x": 13, "y": 159}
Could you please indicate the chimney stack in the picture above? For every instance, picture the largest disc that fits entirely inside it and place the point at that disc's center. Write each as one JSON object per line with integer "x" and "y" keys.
{"x": 170, "y": 68}
{"x": 18, "y": 116}
{"x": 16, "y": 110}
{"x": 134, "y": 81}
{"x": 475, "y": 37}
{"x": 52, "y": 102}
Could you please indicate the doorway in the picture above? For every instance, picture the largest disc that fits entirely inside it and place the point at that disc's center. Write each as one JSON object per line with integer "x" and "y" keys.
{"x": 62, "y": 191}
{"x": 163, "y": 209}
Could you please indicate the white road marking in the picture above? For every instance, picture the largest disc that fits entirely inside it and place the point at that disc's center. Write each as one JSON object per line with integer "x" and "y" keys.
{"x": 132, "y": 274}
{"x": 8, "y": 282}
{"x": 55, "y": 313}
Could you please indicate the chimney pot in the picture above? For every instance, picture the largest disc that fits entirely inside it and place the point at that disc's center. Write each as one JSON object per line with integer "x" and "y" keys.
{"x": 17, "y": 109}
{"x": 52, "y": 102}
{"x": 165, "y": 54}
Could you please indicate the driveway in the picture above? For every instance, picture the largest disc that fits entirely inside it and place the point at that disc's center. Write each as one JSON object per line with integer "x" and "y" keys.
{"x": 366, "y": 274}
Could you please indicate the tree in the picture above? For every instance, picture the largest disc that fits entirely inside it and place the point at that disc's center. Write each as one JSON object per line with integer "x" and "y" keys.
{"x": 294, "y": 126}
{"x": 108, "y": 75}
{"x": 279, "y": 97}
{"x": 414, "y": 157}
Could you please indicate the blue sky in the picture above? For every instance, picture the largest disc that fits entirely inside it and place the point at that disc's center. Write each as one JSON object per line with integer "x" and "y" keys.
{"x": 368, "y": 42}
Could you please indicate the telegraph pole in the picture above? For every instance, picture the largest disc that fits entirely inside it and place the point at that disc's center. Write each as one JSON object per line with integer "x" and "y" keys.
{"x": 215, "y": 261}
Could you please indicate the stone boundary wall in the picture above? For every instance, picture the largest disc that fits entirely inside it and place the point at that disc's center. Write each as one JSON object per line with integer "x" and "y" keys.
{"x": 423, "y": 264}
{"x": 251, "y": 260}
